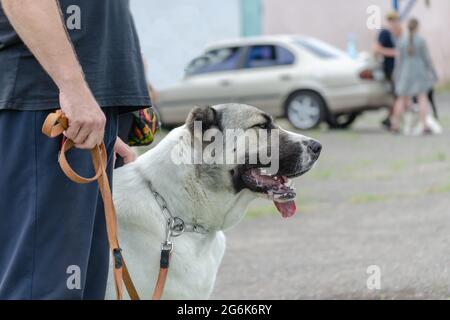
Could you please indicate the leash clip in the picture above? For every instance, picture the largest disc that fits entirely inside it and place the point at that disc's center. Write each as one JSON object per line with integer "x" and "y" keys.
{"x": 174, "y": 228}
{"x": 167, "y": 246}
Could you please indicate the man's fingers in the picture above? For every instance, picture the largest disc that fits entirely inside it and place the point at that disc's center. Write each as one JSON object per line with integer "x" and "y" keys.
{"x": 91, "y": 141}
{"x": 131, "y": 156}
{"x": 72, "y": 131}
{"x": 81, "y": 136}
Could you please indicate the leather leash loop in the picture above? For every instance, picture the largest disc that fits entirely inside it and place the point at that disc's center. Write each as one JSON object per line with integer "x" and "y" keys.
{"x": 98, "y": 155}
{"x": 55, "y": 124}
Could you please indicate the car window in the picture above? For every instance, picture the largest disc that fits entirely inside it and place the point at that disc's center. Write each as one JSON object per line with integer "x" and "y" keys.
{"x": 321, "y": 49}
{"x": 267, "y": 56}
{"x": 215, "y": 60}
{"x": 284, "y": 56}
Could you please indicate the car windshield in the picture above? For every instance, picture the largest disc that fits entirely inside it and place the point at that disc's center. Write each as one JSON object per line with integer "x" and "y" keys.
{"x": 320, "y": 49}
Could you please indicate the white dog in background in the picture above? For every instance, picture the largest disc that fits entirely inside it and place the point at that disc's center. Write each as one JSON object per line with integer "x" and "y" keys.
{"x": 214, "y": 197}
{"x": 412, "y": 125}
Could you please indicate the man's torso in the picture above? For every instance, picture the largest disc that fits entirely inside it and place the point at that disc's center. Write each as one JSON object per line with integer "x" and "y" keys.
{"x": 107, "y": 46}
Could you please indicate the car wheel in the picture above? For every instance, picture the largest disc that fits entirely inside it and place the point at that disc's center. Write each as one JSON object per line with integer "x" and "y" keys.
{"x": 342, "y": 120}
{"x": 305, "y": 110}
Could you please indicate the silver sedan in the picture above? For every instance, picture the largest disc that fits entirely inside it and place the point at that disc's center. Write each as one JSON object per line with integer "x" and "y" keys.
{"x": 301, "y": 78}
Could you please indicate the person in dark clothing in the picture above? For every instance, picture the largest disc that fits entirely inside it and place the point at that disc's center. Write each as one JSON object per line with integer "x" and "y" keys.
{"x": 82, "y": 56}
{"x": 385, "y": 46}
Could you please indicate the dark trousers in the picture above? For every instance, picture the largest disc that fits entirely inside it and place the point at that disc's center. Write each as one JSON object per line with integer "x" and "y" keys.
{"x": 125, "y": 124}
{"x": 53, "y": 242}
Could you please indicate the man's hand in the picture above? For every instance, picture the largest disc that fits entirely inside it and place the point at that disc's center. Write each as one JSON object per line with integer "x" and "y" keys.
{"x": 125, "y": 151}
{"x": 86, "y": 119}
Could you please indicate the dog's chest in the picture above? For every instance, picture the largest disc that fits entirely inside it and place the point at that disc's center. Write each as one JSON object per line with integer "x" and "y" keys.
{"x": 194, "y": 266}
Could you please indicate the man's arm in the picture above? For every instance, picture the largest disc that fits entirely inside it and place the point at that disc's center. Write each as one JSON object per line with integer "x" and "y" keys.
{"x": 387, "y": 52}
{"x": 380, "y": 46}
{"x": 40, "y": 25}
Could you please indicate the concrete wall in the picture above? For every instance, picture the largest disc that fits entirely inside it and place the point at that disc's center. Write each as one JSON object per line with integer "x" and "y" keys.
{"x": 333, "y": 21}
{"x": 173, "y": 32}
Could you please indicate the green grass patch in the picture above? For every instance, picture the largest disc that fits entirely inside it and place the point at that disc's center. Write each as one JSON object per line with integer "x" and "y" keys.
{"x": 439, "y": 156}
{"x": 443, "y": 87}
{"x": 439, "y": 189}
{"x": 366, "y": 198}
{"x": 321, "y": 174}
{"x": 353, "y": 169}
{"x": 445, "y": 121}
{"x": 262, "y": 211}
{"x": 348, "y": 135}
{"x": 398, "y": 165}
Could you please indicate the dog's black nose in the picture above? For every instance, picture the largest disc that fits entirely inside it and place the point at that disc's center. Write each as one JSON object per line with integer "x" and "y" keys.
{"x": 314, "y": 146}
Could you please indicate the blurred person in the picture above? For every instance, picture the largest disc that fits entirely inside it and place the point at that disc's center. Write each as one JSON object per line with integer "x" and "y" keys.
{"x": 414, "y": 76}
{"x": 386, "y": 47}
{"x": 50, "y": 227}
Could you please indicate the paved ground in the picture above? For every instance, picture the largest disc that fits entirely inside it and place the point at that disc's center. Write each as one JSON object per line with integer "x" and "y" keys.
{"x": 373, "y": 199}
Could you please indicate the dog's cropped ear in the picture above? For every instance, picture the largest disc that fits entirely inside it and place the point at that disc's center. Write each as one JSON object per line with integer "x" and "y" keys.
{"x": 206, "y": 115}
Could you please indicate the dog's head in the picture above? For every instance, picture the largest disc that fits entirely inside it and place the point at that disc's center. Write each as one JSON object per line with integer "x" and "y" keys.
{"x": 251, "y": 153}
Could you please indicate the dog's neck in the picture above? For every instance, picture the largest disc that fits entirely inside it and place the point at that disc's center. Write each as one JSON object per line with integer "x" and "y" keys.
{"x": 186, "y": 190}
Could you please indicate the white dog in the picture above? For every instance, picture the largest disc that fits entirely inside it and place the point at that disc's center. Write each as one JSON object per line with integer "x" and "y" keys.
{"x": 412, "y": 125}
{"x": 212, "y": 197}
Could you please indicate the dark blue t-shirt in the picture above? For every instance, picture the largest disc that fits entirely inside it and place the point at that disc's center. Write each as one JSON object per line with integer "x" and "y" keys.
{"x": 385, "y": 38}
{"x": 107, "y": 46}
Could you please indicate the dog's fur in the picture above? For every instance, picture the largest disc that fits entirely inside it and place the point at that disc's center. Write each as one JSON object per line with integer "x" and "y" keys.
{"x": 412, "y": 125}
{"x": 210, "y": 195}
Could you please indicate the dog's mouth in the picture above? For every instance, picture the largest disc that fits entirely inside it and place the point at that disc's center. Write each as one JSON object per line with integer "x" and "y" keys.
{"x": 274, "y": 187}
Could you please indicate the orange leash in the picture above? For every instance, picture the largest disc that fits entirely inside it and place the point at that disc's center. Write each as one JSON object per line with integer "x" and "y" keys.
{"x": 55, "y": 124}
{"x": 162, "y": 275}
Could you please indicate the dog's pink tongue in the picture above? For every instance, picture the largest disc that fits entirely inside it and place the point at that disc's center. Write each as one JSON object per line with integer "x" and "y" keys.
{"x": 287, "y": 209}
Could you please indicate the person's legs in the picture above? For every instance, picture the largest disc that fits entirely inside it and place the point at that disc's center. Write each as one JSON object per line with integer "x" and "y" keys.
{"x": 96, "y": 277}
{"x": 387, "y": 122}
{"x": 48, "y": 222}
{"x": 423, "y": 110}
{"x": 18, "y": 179}
{"x": 399, "y": 107}
{"x": 433, "y": 105}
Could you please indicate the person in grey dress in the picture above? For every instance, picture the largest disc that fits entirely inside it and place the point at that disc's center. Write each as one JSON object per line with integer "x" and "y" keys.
{"x": 414, "y": 75}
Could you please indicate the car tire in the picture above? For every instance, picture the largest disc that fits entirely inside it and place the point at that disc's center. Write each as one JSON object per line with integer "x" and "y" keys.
{"x": 342, "y": 120}
{"x": 305, "y": 110}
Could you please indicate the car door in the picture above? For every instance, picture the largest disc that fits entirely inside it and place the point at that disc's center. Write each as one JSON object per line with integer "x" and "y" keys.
{"x": 266, "y": 75}
{"x": 208, "y": 81}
